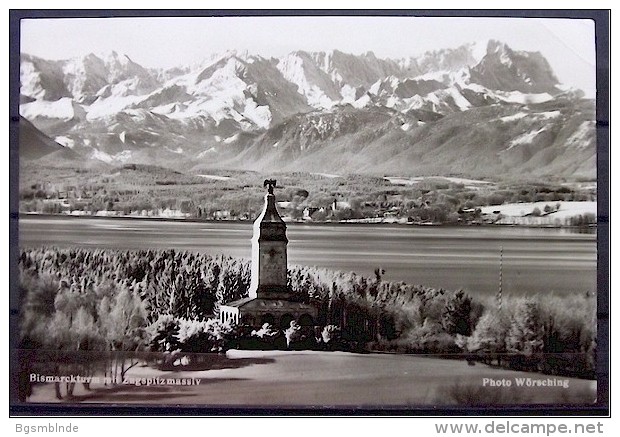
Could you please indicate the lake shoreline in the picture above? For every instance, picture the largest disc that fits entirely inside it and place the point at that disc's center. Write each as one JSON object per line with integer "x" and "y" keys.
{"x": 592, "y": 228}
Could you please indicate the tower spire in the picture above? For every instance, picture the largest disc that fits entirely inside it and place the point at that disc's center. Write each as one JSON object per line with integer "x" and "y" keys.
{"x": 269, "y": 258}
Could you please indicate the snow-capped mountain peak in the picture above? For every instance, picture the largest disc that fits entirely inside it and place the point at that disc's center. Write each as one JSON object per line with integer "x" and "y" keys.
{"x": 478, "y": 50}
{"x": 110, "y": 107}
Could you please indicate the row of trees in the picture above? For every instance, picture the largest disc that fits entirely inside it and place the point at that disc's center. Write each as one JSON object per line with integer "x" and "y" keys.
{"x": 66, "y": 329}
{"x": 115, "y": 304}
{"x": 538, "y": 334}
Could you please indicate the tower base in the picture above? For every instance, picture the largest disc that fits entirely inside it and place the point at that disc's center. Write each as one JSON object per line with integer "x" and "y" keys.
{"x": 277, "y": 312}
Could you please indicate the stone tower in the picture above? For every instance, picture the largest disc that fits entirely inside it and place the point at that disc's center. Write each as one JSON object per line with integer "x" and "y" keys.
{"x": 269, "y": 260}
{"x": 269, "y": 299}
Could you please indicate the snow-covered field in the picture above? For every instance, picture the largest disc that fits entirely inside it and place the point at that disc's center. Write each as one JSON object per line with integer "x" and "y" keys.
{"x": 161, "y": 213}
{"x": 327, "y": 175}
{"x": 287, "y": 378}
{"x": 469, "y": 183}
{"x": 401, "y": 220}
{"x": 215, "y": 177}
{"x": 520, "y": 213}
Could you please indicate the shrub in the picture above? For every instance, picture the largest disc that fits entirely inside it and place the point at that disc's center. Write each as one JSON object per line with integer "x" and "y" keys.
{"x": 194, "y": 336}
{"x": 430, "y": 338}
{"x": 266, "y": 332}
{"x": 331, "y": 336}
{"x": 264, "y": 338}
{"x": 488, "y": 340}
{"x": 293, "y": 335}
{"x": 163, "y": 334}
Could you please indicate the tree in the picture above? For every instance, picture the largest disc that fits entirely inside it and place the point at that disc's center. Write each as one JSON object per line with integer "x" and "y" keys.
{"x": 455, "y": 317}
{"x": 496, "y": 199}
{"x": 489, "y": 337}
{"x": 123, "y": 326}
{"x": 68, "y": 301}
{"x": 526, "y": 333}
{"x": 87, "y": 339}
{"x": 233, "y": 283}
{"x": 59, "y": 338}
{"x": 301, "y": 193}
{"x": 295, "y": 212}
{"x": 38, "y": 294}
{"x": 74, "y": 335}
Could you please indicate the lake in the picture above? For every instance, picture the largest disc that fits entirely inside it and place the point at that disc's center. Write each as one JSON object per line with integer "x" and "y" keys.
{"x": 534, "y": 260}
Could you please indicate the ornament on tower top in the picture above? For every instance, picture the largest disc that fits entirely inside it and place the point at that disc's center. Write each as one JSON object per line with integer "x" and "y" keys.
{"x": 270, "y": 184}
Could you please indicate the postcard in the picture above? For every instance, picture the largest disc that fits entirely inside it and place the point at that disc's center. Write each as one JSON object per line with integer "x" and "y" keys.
{"x": 313, "y": 211}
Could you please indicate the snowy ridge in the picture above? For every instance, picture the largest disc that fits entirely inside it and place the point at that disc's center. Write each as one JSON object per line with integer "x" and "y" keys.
{"x": 523, "y": 98}
{"x": 298, "y": 106}
{"x": 107, "y": 107}
{"x": 30, "y": 80}
{"x": 207, "y": 152}
{"x": 292, "y": 68}
{"x": 218, "y": 88}
{"x": 220, "y": 96}
{"x": 478, "y": 50}
{"x": 62, "y": 109}
{"x": 514, "y": 117}
{"x": 65, "y": 141}
{"x": 583, "y": 135}
{"x": 526, "y": 138}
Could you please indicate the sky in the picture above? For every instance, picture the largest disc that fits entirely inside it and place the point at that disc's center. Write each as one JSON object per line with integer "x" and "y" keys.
{"x": 568, "y": 44}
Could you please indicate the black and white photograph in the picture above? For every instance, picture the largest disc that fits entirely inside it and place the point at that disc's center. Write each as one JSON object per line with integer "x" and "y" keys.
{"x": 307, "y": 211}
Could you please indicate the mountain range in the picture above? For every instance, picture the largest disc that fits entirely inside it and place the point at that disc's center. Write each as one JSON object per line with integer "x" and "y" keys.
{"x": 481, "y": 109}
